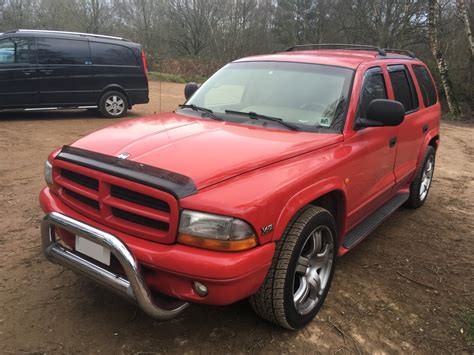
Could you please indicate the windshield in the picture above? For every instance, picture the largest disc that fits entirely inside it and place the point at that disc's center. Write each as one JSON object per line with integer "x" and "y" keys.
{"x": 310, "y": 96}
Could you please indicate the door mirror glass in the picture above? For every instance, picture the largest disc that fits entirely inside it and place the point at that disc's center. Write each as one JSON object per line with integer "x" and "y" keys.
{"x": 382, "y": 113}
{"x": 190, "y": 89}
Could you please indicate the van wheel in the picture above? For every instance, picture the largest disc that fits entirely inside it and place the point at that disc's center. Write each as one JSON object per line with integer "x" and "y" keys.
{"x": 113, "y": 104}
{"x": 302, "y": 270}
{"x": 420, "y": 187}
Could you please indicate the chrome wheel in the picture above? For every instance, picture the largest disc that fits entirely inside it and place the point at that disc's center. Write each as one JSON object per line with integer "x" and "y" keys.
{"x": 114, "y": 105}
{"x": 313, "y": 269}
{"x": 426, "y": 177}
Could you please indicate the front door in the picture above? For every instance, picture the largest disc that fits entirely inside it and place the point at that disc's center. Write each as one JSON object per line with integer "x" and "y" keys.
{"x": 18, "y": 73}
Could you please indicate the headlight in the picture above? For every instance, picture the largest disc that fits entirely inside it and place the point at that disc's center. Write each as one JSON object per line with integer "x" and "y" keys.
{"x": 48, "y": 172}
{"x": 212, "y": 231}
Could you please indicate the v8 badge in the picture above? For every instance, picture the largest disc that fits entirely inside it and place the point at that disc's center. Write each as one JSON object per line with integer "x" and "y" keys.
{"x": 267, "y": 229}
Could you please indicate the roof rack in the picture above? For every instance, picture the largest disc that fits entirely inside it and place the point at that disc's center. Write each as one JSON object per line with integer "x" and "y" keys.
{"x": 400, "y": 51}
{"x": 337, "y": 46}
{"x": 68, "y": 33}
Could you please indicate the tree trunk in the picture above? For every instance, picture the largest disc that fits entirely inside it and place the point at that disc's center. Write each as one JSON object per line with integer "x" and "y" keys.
{"x": 467, "y": 23}
{"x": 453, "y": 104}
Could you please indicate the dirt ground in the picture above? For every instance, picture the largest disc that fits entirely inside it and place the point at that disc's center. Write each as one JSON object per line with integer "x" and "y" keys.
{"x": 408, "y": 288}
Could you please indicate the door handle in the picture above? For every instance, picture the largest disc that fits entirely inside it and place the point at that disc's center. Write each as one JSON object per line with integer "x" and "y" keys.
{"x": 392, "y": 142}
{"x": 46, "y": 71}
{"x": 29, "y": 71}
{"x": 425, "y": 128}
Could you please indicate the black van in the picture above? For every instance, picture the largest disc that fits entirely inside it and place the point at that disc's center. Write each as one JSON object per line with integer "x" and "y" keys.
{"x": 52, "y": 69}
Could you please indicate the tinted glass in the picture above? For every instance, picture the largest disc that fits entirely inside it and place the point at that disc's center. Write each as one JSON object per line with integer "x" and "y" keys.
{"x": 374, "y": 88}
{"x": 314, "y": 97}
{"x": 17, "y": 51}
{"x": 62, "y": 51}
{"x": 110, "y": 54}
{"x": 427, "y": 87}
{"x": 403, "y": 88}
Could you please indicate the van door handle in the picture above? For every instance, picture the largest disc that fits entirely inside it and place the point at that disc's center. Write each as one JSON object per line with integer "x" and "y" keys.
{"x": 46, "y": 71}
{"x": 29, "y": 71}
{"x": 392, "y": 142}
{"x": 425, "y": 128}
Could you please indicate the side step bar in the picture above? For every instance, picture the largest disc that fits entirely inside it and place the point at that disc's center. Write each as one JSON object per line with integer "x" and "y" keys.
{"x": 132, "y": 287}
{"x": 356, "y": 235}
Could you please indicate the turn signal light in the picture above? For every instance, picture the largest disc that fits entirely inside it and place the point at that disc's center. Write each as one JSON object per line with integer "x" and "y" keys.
{"x": 216, "y": 244}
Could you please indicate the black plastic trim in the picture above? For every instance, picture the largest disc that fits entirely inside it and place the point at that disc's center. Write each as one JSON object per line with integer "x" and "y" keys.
{"x": 176, "y": 184}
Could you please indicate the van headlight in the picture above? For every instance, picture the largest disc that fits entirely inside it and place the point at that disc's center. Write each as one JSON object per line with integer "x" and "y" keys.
{"x": 48, "y": 172}
{"x": 210, "y": 231}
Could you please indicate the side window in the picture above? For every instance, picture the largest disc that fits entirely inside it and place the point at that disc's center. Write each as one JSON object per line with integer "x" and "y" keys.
{"x": 373, "y": 88}
{"x": 425, "y": 82}
{"x": 403, "y": 87}
{"x": 62, "y": 51}
{"x": 111, "y": 54}
{"x": 17, "y": 51}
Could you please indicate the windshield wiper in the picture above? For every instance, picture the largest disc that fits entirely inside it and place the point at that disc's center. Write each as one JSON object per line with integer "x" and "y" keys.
{"x": 208, "y": 113}
{"x": 256, "y": 116}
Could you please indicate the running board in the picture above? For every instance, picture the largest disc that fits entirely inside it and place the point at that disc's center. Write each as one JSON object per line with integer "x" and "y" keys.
{"x": 374, "y": 220}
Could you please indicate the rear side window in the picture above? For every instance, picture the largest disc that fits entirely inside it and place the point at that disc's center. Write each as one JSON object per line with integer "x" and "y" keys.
{"x": 62, "y": 51}
{"x": 374, "y": 88}
{"x": 17, "y": 51}
{"x": 403, "y": 87}
{"x": 111, "y": 54}
{"x": 425, "y": 82}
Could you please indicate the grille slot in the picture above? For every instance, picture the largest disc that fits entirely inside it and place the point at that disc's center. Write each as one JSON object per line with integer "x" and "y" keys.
{"x": 138, "y": 198}
{"x": 85, "y": 200}
{"x": 137, "y": 219}
{"x": 80, "y": 179}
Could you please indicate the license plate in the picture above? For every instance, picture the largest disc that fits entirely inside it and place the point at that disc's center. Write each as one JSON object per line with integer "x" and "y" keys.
{"x": 93, "y": 250}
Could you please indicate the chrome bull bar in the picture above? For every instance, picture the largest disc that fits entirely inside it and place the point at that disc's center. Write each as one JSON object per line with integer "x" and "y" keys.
{"x": 133, "y": 287}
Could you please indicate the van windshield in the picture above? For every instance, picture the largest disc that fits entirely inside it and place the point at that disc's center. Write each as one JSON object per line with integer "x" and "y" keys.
{"x": 310, "y": 96}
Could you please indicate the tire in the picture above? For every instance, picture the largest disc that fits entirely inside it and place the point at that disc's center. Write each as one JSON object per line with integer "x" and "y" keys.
{"x": 113, "y": 104}
{"x": 276, "y": 300}
{"x": 420, "y": 187}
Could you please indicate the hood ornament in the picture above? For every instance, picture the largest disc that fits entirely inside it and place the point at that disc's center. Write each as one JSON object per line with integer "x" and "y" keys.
{"x": 123, "y": 155}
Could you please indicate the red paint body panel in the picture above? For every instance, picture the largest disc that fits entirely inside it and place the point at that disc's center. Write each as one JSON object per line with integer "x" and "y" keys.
{"x": 260, "y": 175}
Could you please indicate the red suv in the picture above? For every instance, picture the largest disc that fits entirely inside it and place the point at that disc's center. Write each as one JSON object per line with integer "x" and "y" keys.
{"x": 275, "y": 166}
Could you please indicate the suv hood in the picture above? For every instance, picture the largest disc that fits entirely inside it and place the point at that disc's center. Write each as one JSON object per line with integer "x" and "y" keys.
{"x": 206, "y": 151}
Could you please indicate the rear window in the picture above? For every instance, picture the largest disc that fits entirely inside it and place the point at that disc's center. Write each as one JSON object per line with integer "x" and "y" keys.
{"x": 62, "y": 51}
{"x": 111, "y": 54}
{"x": 428, "y": 91}
{"x": 403, "y": 87}
{"x": 17, "y": 51}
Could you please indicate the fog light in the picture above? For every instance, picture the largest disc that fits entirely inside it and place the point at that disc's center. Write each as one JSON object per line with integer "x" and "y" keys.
{"x": 200, "y": 289}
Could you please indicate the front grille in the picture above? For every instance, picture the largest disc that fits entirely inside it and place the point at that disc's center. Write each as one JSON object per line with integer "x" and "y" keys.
{"x": 137, "y": 219}
{"x": 85, "y": 200}
{"x": 138, "y": 198}
{"x": 124, "y": 205}
{"x": 80, "y": 179}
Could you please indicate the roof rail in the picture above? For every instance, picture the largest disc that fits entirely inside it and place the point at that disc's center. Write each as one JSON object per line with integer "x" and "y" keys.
{"x": 68, "y": 33}
{"x": 379, "y": 50}
{"x": 400, "y": 51}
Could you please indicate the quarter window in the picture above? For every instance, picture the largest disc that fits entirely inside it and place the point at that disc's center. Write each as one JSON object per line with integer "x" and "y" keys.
{"x": 110, "y": 54}
{"x": 403, "y": 87}
{"x": 62, "y": 51}
{"x": 428, "y": 91}
{"x": 17, "y": 51}
{"x": 374, "y": 88}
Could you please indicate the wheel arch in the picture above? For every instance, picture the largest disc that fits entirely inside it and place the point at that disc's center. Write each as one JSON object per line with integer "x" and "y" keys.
{"x": 329, "y": 194}
{"x": 115, "y": 87}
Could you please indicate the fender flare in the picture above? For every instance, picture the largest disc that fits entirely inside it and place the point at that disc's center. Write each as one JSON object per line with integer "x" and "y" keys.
{"x": 305, "y": 197}
{"x": 429, "y": 136}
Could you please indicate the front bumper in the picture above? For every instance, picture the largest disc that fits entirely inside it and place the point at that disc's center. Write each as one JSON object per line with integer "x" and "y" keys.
{"x": 169, "y": 269}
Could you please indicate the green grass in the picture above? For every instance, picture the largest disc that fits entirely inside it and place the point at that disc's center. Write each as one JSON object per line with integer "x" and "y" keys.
{"x": 470, "y": 327}
{"x": 157, "y": 76}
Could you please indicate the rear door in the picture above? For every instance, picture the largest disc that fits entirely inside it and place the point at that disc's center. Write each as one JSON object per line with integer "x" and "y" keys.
{"x": 65, "y": 72}
{"x": 18, "y": 72}
{"x": 410, "y": 136}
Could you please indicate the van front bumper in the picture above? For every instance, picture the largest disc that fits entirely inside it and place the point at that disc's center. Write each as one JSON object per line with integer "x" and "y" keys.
{"x": 151, "y": 268}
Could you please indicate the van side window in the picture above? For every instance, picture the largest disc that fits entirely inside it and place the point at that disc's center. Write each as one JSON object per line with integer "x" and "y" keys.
{"x": 425, "y": 82}
{"x": 374, "y": 88}
{"x": 110, "y": 54}
{"x": 62, "y": 51}
{"x": 17, "y": 51}
{"x": 403, "y": 87}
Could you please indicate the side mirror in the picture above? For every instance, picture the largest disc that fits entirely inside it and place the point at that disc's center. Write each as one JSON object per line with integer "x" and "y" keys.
{"x": 190, "y": 89}
{"x": 382, "y": 113}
